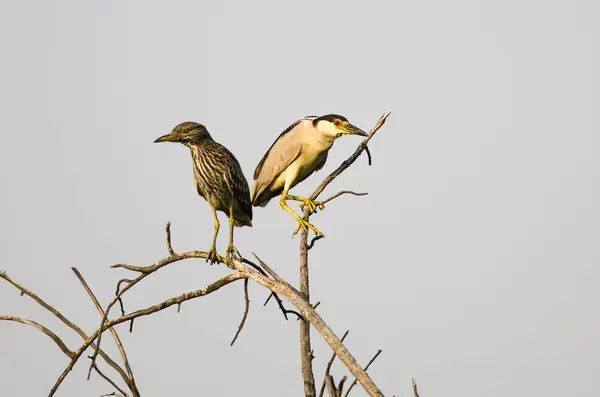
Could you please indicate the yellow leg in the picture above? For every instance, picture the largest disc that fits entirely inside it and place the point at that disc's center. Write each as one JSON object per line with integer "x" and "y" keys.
{"x": 301, "y": 222}
{"x": 231, "y": 250}
{"x": 312, "y": 205}
{"x": 212, "y": 254}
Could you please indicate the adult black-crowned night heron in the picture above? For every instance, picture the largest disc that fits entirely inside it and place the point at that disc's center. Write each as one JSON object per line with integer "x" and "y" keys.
{"x": 299, "y": 151}
{"x": 219, "y": 179}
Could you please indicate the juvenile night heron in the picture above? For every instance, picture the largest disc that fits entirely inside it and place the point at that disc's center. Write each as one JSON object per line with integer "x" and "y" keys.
{"x": 299, "y": 151}
{"x": 219, "y": 179}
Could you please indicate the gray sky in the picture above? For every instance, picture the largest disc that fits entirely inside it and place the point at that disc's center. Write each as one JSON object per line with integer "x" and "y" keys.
{"x": 473, "y": 261}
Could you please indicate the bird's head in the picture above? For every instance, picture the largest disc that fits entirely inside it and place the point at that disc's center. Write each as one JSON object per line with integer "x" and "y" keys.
{"x": 334, "y": 126}
{"x": 188, "y": 133}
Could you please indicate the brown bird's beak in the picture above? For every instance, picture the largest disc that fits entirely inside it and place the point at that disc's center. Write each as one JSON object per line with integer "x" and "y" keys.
{"x": 352, "y": 130}
{"x": 167, "y": 138}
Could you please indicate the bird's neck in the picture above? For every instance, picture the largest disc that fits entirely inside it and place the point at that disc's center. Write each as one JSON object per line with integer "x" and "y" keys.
{"x": 325, "y": 141}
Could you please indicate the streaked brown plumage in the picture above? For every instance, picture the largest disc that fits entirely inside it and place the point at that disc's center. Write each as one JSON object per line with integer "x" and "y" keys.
{"x": 219, "y": 179}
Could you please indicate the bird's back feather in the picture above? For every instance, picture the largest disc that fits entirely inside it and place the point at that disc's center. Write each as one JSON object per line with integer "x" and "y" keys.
{"x": 280, "y": 155}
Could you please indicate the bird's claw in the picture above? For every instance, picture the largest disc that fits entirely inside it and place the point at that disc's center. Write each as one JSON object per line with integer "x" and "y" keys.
{"x": 312, "y": 205}
{"x": 213, "y": 256}
{"x": 231, "y": 251}
{"x": 305, "y": 225}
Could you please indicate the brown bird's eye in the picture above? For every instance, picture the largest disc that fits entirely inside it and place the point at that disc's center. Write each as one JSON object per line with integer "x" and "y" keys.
{"x": 337, "y": 122}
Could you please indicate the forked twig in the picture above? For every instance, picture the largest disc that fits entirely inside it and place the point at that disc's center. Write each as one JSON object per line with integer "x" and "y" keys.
{"x": 113, "y": 332}
{"x": 328, "y": 368}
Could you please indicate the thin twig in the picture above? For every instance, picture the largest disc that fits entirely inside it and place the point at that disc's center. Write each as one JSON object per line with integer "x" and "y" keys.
{"x": 338, "y": 194}
{"x": 170, "y": 248}
{"x": 67, "y": 322}
{"x": 313, "y": 241}
{"x": 368, "y": 154}
{"x": 366, "y": 368}
{"x": 113, "y": 332}
{"x": 351, "y": 159}
{"x": 330, "y": 386}
{"x": 125, "y": 280}
{"x": 340, "y": 386}
{"x": 246, "y": 309}
{"x": 277, "y": 298}
{"x": 109, "y": 380}
{"x": 328, "y": 368}
{"x": 42, "y": 328}
{"x": 415, "y": 392}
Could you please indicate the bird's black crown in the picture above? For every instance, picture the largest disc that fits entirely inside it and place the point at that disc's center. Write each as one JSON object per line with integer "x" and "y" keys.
{"x": 329, "y": 117}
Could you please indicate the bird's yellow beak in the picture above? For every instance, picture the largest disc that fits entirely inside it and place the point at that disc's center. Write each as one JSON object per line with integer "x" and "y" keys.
{"x": 350, "y": 129}
{"x": 167, "y": 138}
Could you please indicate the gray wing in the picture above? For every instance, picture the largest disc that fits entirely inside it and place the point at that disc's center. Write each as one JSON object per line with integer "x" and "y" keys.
{"x": 280, "y": 155}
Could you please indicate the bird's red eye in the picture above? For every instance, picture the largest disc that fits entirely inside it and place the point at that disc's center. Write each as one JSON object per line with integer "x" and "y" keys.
{"x": 337, "y": 122}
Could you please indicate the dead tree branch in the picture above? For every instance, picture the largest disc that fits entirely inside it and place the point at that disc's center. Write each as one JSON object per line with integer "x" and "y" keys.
{"x": 169, "y": 247}
{"x": 106, "y": 378}
{"x": 246, "y": 309}
{"x": 153, "y": 309}
{"x": 366, "y": 368}
{"x": 118, "y": 342}
{"x": 415, "y": 392}
{"x": 328, "y": 368}
{"x": 42, "y": 328}
{"x": 67, "y": 322}
{"x": 338, "y": 194}
{"x": 306, "y": 352}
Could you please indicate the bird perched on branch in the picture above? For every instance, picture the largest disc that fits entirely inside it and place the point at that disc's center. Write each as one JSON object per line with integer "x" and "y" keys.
{"x": 299, "y": 151}
{"x": 219, "y": 180}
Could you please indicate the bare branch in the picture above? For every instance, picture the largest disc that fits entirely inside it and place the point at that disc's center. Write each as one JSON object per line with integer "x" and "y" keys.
{"x": 340, "y": 386}
{"x": 74, "y": 327}
{"x": 306, "y": 353}
{"x": 330, "y": 386}
{"x": 351, "y": 159}
{"x": 169, "y": 247}
{"x": 415, "y": 392}
{"x": 125, "y": 280}
{"x": 106, "y": 378}
{"x": 312, "y": 242}
{"x": 113, "y": 332}
{"x": 153, "y": 309}
{"x": 368, "y": 154}
{"x": 328, "y": 368}
{"x": 366, "y": 368}
{"x": 338, "y": 194}
{"x": 314, "y": 307}
{"x": 45, "y": 330}
{"x": 273, "y": 274}
{"x": 246, "y": 309}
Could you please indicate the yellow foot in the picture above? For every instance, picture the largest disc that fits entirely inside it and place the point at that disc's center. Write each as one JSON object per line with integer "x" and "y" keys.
{"x": 305, "y": 225}
{"x": 312, "y": 205}
{"x": 231, "y": 251}
{"x": 213, "y": 256}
